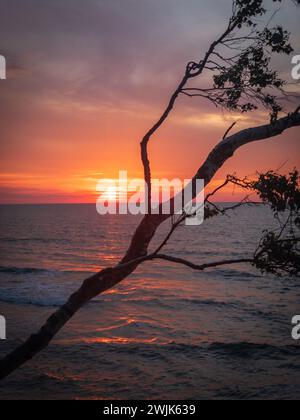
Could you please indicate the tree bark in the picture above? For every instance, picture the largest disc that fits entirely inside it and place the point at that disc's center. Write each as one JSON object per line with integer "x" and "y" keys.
{"x": 138, "y": 249}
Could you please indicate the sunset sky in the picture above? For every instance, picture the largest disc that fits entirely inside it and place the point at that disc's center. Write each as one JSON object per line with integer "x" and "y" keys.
{"x": 86, "y": 79}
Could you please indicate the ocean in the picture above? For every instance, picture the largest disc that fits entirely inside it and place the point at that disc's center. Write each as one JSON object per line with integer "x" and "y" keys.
{"x": 166, "y": 332}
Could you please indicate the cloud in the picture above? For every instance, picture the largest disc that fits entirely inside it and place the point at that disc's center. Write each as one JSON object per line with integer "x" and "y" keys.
{"x": 88, "y": 78}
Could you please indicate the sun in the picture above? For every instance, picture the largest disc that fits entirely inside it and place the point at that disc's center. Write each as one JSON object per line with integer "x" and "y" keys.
{"x": 111, "y": 194}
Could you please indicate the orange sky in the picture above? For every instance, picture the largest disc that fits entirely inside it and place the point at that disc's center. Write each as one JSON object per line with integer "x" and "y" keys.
{"x": 87, "y": 79}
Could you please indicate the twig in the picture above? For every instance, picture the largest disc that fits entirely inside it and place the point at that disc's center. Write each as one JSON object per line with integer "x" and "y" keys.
{"x": 228, "y": 131}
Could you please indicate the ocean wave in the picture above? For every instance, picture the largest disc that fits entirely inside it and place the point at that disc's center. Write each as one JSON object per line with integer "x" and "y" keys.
{"x": 35, "y": 270}
{"x": 25, "y": 270}
{"x": 175, "y": 303}
{"x": 237, "y": 350}
{"x": 36, "y": 301}
{"x": 236, "y": 275}
{"x": 51, "y": 294}
{"x": 249, "y": 350}
{"x": 37, "y": 286}
{"x": 34, "y": 240}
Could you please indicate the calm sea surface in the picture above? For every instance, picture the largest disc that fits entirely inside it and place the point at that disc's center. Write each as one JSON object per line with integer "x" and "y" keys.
{"x": 165, "y": 332}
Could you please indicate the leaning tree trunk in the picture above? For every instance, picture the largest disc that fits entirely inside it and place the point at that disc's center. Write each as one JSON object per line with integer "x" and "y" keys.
{"x": 110, "y": 277}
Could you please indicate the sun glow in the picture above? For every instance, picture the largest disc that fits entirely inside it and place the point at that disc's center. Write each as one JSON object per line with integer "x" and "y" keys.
{"x": 111, "y": 194}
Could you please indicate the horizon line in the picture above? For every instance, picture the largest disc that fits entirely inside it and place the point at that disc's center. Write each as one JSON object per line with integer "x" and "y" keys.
{"x": 89, "y": 203}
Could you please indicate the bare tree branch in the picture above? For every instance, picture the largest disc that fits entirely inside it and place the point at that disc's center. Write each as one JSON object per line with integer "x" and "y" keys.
{"x": 203, "y": 266}
{"x": 228, "y": 131}
{"x": 192, "y": 70}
